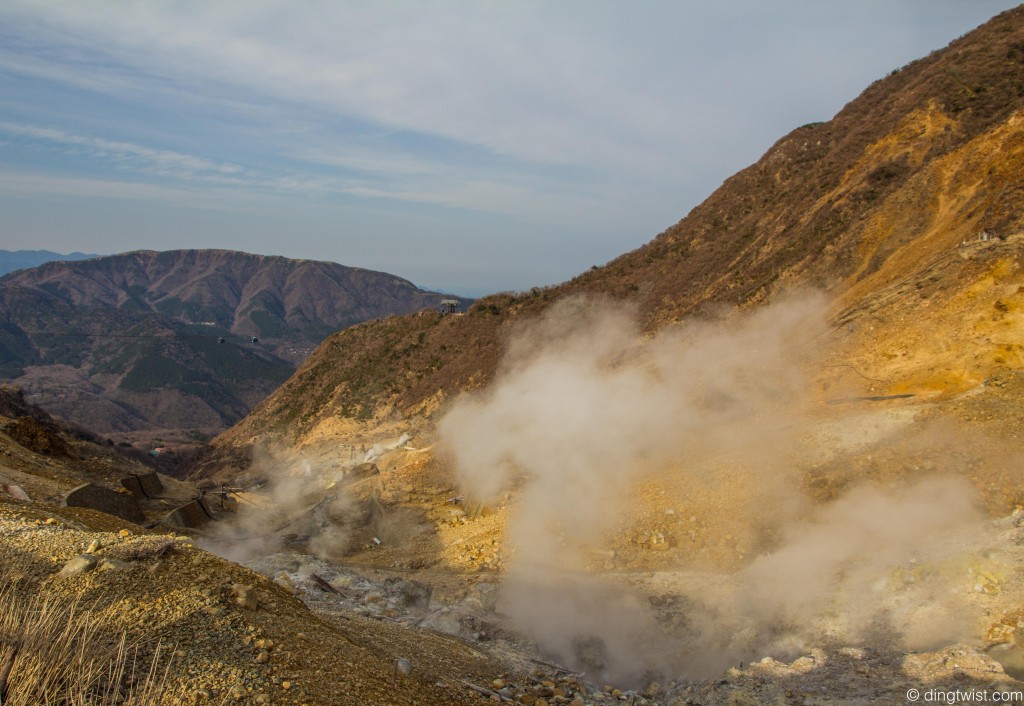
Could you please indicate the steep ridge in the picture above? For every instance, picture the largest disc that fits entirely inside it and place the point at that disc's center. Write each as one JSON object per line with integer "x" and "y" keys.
{"x": 830, "y": 202}
{"x": 133, "y": 342}
{"x": 926, "y": 159}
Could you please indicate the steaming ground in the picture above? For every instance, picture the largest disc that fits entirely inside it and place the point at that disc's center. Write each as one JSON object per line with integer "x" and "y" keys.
{"x": 658, "y": 507}
{"x": 323, "y": 504}
{"x": 582, "y": 413}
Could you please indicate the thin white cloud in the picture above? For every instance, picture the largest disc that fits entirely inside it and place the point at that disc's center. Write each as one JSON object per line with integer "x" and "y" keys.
{"x": 608, "y": 85}
{"x": 380, "y": 161}
{"x": 590, "y": 84}
{"x": 169, "y": 164}
{"x": 28, "y": 184}
{"x": 450, "y": 187}
{"x": 185, "y": 196}
{"x": 480, "y": 74}
{"x": 483, "y": 195}
{"x": 160, "y": 162}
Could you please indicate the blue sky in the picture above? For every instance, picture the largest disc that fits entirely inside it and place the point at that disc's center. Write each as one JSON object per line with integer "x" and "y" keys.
{"x": 472, "y": 146}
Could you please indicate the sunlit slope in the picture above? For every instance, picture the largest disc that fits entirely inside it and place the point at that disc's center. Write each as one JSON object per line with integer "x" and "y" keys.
{"x": 882, "y": 195}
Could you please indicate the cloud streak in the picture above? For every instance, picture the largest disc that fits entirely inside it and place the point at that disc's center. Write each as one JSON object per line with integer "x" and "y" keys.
{"x": 159, "y": 162}
{"x": 598, "y": 125}
{"x": 565, "y": 84}
{"x": 454, "y": 190}
{"x": 40, "y": 184}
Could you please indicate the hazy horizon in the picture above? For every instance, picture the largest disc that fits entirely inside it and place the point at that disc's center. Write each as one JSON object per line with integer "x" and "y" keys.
{"x": 467, "y": 147}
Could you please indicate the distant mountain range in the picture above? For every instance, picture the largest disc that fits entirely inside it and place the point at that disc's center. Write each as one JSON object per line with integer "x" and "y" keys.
{"x": 11, "y": 260}
{"x": 179, "y": 340}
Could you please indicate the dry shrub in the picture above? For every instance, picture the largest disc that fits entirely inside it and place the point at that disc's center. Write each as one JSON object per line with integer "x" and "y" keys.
{"x": 142, "y": 549}
{"x": 56, "y": 652}
{"x": 38, "y": 436}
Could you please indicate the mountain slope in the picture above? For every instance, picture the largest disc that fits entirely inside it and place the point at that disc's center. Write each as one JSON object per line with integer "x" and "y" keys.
{"x": 131, "y": 341}
{"x": 750, "y": 470}
{"x": 923, "y": 160}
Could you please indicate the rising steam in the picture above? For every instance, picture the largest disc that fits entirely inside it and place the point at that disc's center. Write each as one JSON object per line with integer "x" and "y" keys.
{"x": 585, "y": 408}
{"x": 296, "y": 501}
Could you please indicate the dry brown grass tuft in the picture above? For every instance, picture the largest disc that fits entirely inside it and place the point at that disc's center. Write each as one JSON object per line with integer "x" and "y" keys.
{"x": 56, "y": 652}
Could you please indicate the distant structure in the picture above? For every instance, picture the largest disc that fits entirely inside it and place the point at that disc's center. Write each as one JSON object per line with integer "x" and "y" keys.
{"x": 449, "y": 306}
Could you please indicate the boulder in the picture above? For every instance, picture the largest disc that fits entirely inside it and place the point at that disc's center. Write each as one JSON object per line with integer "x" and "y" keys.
{"x": 77, "y": 566}
{"x": 96, "y": 497}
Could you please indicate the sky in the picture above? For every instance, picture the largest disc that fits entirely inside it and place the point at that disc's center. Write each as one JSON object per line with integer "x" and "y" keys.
{"x": 471, "y": 146}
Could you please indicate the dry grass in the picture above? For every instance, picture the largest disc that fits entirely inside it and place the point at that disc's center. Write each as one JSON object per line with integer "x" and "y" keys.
{"x": 58, "y": 653}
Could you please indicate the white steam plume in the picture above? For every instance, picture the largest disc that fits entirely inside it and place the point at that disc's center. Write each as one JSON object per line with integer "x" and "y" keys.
{"x": 585, "y": 407}
{"x": 298, "y": 499}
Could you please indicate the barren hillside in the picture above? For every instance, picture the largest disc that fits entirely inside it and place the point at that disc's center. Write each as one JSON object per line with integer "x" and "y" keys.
{"x": 925, "y": 159}
{"x": 178, "y": 345}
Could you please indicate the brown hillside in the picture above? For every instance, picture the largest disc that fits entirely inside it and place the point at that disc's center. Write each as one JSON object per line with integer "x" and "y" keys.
{"x": 178, "y": 345}
{"x": 924, "y": 159}
{"x": 833, "y": 201}
{"x": 286, "y": 302}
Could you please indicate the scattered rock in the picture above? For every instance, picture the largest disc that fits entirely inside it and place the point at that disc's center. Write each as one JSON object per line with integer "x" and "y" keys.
{"x": 654, "y": 689}
{"x": 112, "y": 565}
{"x": 81, "y": 564}
{"x": 285, "y": 581}
{"x": 245, "y": 596}
{"x": 16, "y": 492}
{"x": 483, "y": 595}
{"x": 408, "y": 594}
{"x": 443, "y": 621}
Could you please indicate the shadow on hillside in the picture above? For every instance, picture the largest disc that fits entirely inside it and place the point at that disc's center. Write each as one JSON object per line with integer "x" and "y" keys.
{"x": 23, "y": 571}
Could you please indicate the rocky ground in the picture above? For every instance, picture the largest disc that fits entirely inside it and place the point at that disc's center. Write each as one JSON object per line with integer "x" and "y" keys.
{"x": 232, "y": 635}
{"x": 374, "y": 581}
{"x": 441, "y": 569}
{"x": 309, "y": 631}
